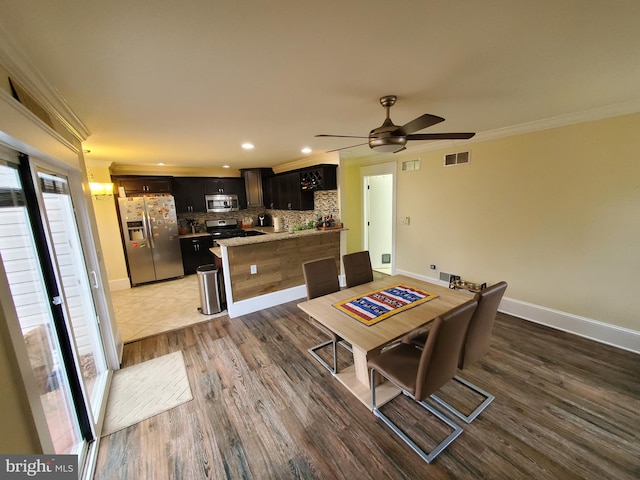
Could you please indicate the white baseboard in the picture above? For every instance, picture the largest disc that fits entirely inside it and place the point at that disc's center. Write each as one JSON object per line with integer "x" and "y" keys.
{"x": 601, "y": 332}
{"x": 119, "y": 284}
{"x": 243, "y": 307}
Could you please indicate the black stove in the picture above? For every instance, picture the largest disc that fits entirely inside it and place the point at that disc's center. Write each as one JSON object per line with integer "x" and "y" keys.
{"x": 220, "y": 229}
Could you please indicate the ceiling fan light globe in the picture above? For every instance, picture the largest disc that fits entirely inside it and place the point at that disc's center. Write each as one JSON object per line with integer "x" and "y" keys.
{"x": 387, "y": 144}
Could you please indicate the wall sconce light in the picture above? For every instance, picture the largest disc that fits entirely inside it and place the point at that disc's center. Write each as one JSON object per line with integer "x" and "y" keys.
{"x": 101, "y": 190}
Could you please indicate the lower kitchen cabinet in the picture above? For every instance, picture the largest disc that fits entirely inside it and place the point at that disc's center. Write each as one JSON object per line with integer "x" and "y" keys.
{"x": 195, "y": 252}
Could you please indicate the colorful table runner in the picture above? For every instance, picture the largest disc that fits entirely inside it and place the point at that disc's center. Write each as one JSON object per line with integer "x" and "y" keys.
{"x": 381, "y": 304}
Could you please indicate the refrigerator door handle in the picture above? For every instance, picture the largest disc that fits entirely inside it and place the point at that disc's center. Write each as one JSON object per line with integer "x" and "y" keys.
{"x": 147, "y": 225}
{"x": 94, "y": 279}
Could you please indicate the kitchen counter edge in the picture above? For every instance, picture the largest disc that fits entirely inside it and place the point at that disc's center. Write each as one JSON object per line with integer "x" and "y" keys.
{"x": 271, "y": 236}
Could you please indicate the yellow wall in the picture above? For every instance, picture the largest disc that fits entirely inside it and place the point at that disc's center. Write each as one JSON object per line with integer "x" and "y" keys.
{"x": 108, "y": 230}
{"x": 556, "y": 213}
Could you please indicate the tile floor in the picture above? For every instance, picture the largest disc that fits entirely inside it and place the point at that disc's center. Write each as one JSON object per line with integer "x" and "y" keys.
{"x": 150, "y": 309}
{"x": 158, "y": 307}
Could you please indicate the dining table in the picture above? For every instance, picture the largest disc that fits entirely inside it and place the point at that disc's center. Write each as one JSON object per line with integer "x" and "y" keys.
{"x": 368, "y": 340}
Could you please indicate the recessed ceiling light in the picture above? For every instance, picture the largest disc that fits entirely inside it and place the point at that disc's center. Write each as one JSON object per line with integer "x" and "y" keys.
{"x": 306, "y": 150}
{"x": 161, "y": 164}
{"x": 248, "y": 146}
{"x": 226, "y": 166}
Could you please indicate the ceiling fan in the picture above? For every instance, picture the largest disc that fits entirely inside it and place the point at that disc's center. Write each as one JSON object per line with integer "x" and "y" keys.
{"x": 392, "y": 138}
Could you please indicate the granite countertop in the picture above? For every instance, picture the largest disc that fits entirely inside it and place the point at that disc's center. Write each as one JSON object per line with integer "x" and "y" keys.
{"x": 194, "y": 235}
{"x": 271, "y": 235}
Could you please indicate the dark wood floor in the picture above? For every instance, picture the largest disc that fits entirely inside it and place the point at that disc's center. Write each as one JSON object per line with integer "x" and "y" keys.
{"x": 565, "y": 408}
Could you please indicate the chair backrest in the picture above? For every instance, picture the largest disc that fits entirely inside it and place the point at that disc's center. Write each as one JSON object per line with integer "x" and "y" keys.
{"x": 357, "y": 268}
{"x": 478, "y": 337}
{"x": 321, "y": 277}
{"x": 439, "y": 358}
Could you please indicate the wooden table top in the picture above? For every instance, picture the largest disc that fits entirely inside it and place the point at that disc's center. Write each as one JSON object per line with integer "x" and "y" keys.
{"x": 370, "y": 338}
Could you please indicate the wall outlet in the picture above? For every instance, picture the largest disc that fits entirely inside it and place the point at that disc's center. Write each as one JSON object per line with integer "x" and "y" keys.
{"x": 406, "y": 221}
{"x": 254, "y": 269}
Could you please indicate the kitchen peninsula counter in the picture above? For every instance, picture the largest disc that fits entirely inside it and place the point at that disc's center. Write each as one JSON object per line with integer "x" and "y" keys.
{"x": 270, "y": 235}
{"x": 262, "y": 271}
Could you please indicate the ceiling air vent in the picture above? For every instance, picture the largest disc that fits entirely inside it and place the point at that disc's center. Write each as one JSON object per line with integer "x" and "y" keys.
{"x": 459, "y": 158}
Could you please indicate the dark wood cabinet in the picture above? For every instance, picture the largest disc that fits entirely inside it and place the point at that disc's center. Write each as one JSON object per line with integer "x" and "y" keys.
{"x": 321, "y": 177}
{"x": 134, "y": 184}
{"x": 286, "y": 193}
{"x": 294, "y": 190}
{"x": 189, "y": 194}
{"x": 195, "y": 252}
{"x": 227, "y": 185}
{"x": 268, "y": 198}
{"x": 254, "y": 180}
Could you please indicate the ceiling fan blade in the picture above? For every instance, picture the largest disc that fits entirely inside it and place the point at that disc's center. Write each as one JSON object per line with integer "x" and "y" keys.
{"x": 423, "y": 121}
{"x": 338, "y": 136}
{"x": 440, "y": 136}
{"x": 350, "y": 146}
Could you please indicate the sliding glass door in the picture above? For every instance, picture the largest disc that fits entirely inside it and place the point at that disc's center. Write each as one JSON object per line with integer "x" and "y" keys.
{"x": 65, "y": 252}
{"x": 42, "y": 254}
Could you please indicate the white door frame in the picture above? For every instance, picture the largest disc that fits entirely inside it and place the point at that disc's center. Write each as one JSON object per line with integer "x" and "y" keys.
{"x": 372, "y": 171}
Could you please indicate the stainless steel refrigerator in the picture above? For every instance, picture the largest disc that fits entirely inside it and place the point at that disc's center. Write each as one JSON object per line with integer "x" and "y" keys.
{"x": 150, "y": 234}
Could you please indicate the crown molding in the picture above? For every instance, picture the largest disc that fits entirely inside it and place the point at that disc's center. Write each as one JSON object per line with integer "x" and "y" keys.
{"x": 20, "y": 67}
{"x": 616, "y": 110}
{"x": 591, "y": 115}
{"x": 331, "y": 158}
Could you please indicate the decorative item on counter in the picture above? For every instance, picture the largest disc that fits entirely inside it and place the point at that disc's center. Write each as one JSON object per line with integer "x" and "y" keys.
{"x": 310, "y": 225}
{"x": 457, "y": 283}
{"x": 329, "y": 223}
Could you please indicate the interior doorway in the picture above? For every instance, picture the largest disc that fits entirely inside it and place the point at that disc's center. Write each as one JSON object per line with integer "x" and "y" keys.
{"x": 379, "y": 183}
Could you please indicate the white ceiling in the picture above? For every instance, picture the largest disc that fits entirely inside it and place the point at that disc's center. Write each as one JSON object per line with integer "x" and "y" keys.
{"x": 185, "y": 83}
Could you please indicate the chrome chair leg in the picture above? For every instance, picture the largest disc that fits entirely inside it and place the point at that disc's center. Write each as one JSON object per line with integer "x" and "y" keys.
{"x": 472, "y": 416}
{"x": 427, "y": 457}
{"x": 313, "y": 353}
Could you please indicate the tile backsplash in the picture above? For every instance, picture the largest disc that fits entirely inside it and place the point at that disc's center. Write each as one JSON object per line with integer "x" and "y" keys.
{"x": 325, "y": 203}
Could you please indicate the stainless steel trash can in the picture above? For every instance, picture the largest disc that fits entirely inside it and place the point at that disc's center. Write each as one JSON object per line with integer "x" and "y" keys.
{"x": 209, "y": 290}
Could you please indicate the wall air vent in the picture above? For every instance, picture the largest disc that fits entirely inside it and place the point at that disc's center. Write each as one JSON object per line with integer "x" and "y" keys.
{"x": 459, "y": 158}
{"x": 409, "y": 165}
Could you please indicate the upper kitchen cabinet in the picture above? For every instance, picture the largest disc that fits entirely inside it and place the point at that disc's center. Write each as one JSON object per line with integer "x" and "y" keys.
{"x": 135, "y": 185}
{"x": 320, "y": 177}
{"x": 253, "y": 183}
{"x": 227, "y": 185}
{"x": 287, "y": 194}
{"x": 189, "y": 194}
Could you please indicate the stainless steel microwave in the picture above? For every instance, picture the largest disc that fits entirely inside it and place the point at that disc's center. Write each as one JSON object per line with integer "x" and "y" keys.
{"x": 221, "y": 203}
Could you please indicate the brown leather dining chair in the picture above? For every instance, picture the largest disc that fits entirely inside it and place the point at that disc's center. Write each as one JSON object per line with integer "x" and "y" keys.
{"x": 357, "y": 268}
{"x": 475, "y": 346}
{"x": 321, "y": 278}
{"x": 419, "y": 373}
